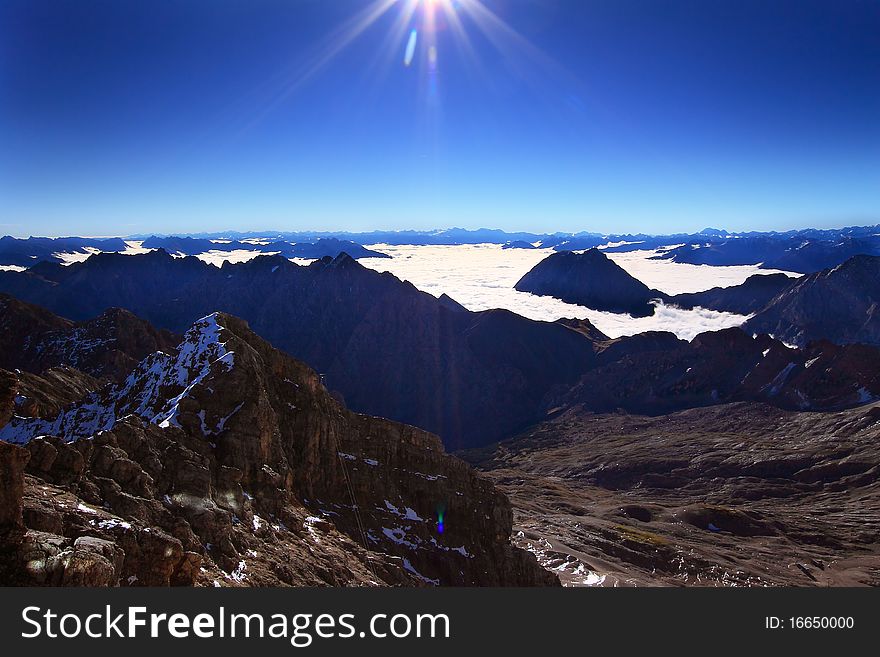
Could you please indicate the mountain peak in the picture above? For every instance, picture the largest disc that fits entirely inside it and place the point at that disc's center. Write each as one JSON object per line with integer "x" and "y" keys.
{"x": 590, "y": 279}
{"x": 153, "y": 391}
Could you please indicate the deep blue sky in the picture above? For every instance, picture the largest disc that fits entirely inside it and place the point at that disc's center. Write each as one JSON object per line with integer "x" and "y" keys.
{"x": 622, "y": 115}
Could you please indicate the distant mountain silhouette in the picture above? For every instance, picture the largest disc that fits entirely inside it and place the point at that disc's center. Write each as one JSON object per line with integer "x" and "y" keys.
{"x": 30, "y": 251}
{"x": 589, "y": 279}
{"x": 797, "y": 253}
{"x": 308, "y": 250}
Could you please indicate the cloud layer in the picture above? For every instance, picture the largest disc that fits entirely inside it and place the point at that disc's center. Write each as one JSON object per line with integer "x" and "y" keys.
{"x": 482, "y": 276}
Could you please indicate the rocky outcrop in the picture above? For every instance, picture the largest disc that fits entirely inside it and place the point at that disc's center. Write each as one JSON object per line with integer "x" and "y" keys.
{"x": 7, "y": 396}
{"x": 586, "y": 328}
{"x": 385, "y": 347}
{"x": 227, "y": 461}
{"x": 47, "y": 394}
{"x": 611, "y": 351}
{"x": 839, "y": 304}
{"x": 589, "y": 279}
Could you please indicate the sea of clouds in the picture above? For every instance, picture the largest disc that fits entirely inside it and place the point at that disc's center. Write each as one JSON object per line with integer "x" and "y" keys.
{"x": 482, "y": 276}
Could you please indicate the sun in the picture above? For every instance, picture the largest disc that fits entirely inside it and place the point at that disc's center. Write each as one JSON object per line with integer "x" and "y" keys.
{"x": 413, "y": 41}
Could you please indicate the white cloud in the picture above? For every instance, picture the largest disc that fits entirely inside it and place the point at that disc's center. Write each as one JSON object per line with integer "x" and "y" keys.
{"x": 678, "y": 278}
{"x": 482, "y": 276}
{"x": 217, "y": 258}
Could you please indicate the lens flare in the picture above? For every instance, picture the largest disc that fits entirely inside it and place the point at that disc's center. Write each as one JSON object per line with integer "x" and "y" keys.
{"x": 424, "y": 28}
{"x": 411, "y": 48}
{"x": 441, "y": 512}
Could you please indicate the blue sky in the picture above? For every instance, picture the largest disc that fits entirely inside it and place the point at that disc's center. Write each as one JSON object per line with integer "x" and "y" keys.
{"x": 543, "y": 115}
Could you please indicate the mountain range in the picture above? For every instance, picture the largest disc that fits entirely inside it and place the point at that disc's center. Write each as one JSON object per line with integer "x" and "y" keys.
{"x": 30, "y": 251}
{"x": 385, "y": 347}
{"x": 320, "y": 248}
{"x": 838, "y": 304}
{"x": 801, "y": 251}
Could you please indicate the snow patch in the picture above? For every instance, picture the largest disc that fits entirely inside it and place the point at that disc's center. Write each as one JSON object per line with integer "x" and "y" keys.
{"x": 407, "y": 566}
{"x": 143, "y": 393}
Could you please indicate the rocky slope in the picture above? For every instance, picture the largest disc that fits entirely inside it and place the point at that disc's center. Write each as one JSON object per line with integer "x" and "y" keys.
{"x": 839, "y": 304}
{"x": 109, "y": 346}
{"x": 589, "y": 279}
{"x": 227, "y": 462}
{"x": 734, "y": 495}
{"x": 386, "y": 347}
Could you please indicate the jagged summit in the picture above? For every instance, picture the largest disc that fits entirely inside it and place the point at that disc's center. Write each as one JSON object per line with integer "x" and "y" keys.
{"x": 153, "y": 391}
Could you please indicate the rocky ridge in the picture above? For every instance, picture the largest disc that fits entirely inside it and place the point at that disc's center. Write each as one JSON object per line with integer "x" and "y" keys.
{"x": 107, "y": 347}
{"x": 227, "y": 462}
{"x": 656, "y": 373}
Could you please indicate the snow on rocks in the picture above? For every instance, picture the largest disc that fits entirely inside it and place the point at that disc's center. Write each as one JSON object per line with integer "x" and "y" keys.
{"x": 407, "y": 566}
{"x": 148, "y": 392}
{"x": 406, "y": 513}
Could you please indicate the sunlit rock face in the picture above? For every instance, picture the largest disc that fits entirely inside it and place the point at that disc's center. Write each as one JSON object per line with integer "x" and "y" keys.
{"x": 241, "y": 468}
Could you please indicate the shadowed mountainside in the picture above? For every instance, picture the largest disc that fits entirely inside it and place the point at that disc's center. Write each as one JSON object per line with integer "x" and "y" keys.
{"x": 745, "y": 299}
{"x": 589, "y": 279}
{"x": 388, "y": 348}
{"x": 839, "y": 304}
{"x": 109, "y": 346}
{"x": 656, "y": 373}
